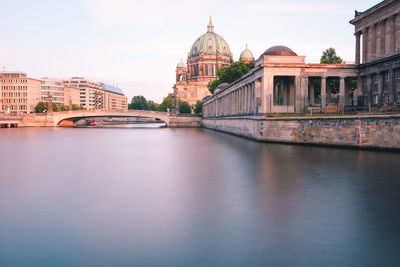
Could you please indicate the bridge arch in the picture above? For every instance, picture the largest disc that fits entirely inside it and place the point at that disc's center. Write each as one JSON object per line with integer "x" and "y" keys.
{"x": 59, "y": 118}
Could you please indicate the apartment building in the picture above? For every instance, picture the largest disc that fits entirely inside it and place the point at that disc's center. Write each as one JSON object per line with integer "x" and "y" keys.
{"x": 114, "y": 98}
{"x": 54, "y": 87}
{"x": 20, "y": 94}
{"x": 91, "y": 93}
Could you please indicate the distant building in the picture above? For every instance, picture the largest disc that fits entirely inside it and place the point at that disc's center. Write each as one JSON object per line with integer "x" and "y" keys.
{"x": 91, "y": 93}
{"x": 54, "y": 87}
{"x": 20, "y": 94}
{"x": 71, "y": 96}
{"x": 114, "y": 98}
{"x": 209, "y": 53}
{"x": 377, "y": 32}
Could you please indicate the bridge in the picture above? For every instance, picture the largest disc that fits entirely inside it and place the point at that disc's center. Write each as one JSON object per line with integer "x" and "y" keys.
{"x": 68, "y": 118}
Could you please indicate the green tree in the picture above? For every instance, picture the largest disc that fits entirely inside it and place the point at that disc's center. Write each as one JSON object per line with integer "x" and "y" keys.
{"x": 139, "y": 103}
{"x": 151, "y": 105}
{"x": 166, "y": 104}
{"x": 231, "y": 73}
{"x": 76, "y": 107}
{"x": 42, "y": 107}
{"x": 329, "y": 57}
{"x": 64, "y": 107}
{"x": 184, "y": 107}
{"x": 198, "y": 108}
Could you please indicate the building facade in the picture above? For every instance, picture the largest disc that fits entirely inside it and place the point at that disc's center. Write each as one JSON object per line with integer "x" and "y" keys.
{"x": 208, "y": 54}
{"x": 71, "y": 96}
{"x": 281, "y": 82}
{"x": 53, "y": 87}
{"x": 20, "y": 94}
{"x": 377, "y": 32}
{"x": 91, "y": 93}
{"x": 114, "y": 98}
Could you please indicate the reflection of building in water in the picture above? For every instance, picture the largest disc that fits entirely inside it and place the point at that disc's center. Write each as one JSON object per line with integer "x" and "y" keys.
{"x": 208, "y": 54}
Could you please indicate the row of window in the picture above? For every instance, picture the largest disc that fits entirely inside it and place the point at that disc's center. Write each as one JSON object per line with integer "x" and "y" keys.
{"x": 14, "y": 81}
{"x": 375, "y": 77}
{"x": 10, "y": 94}
{"x": 375, "y": 98}
{"x": 14, "y": 88}
{"x": 10, "y": 101}
{"x": 14, "y": 107}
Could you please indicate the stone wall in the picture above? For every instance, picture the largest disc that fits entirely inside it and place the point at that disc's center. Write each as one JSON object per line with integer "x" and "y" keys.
{"x": 381, "y": 131}
{"x": 185, "y": 122}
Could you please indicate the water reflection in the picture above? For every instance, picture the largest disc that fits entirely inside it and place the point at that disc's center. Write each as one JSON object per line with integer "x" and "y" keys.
{"x": 174, "y": 197}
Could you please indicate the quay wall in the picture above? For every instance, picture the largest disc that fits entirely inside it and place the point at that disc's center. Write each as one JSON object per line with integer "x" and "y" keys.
{"x": 375, "y": 132}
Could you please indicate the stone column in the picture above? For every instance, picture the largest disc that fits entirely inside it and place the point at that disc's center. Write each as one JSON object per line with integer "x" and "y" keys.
{"x": 388, "y": 31}
{"x": 397, "y": 33}
{"x": 365, "y": 46}
{"x": 312, "y": 100}
{"x": 371, "y": 41}
{"x": 383, "y": 38}
{"x": 358, "y": 35}
{"x": 392, "y": 47}
{"x": 298, "y": 96}
{"x": 380, "y": 87}
{"x": 342, "y": 93}
{"x": 323, "y": 92}
{"x": 358, "y": 91}
{"x": 393, "y": 91}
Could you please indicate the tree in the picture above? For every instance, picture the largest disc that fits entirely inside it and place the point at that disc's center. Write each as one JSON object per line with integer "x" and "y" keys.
{"x": 64, "y": 107}
{"x": 166, "y": 104}
{"x": 76, "y": 107}
{"x": 42, "y": 107}
{"x": 151, "y": 105}
{"x": 229, "y": 74}
{"x": 184, "y": 107}
{"x": 329, "y": 57}
{"x": 138, "y": 102}
{"x": 198, "y": 108}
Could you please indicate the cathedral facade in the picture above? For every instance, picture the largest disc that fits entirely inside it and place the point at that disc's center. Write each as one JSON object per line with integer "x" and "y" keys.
{"x": 208, "y": 54}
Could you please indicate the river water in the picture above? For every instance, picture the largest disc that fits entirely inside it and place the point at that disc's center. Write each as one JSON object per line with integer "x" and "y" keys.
{"x": 192, "y": 197}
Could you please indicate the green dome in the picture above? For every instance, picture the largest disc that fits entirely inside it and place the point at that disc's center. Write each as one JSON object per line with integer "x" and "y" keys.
{"x": 210, "y": 43}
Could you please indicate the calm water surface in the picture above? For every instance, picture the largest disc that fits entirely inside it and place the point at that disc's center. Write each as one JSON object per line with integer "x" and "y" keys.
{"x": 191, "y": 197}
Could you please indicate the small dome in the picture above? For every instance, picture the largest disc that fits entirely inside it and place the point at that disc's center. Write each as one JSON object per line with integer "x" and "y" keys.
{"x": 222, "y": 85}
{"x": 246, "y": 54}
{"x": 181, "y": 65}
{"x": 279, "y": 50}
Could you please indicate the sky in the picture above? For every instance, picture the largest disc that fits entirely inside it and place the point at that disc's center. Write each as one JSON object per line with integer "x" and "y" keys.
{"x": 137, "y": 44}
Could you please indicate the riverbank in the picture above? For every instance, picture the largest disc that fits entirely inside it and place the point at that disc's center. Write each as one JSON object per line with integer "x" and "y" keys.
{"x": 363, "y": 132}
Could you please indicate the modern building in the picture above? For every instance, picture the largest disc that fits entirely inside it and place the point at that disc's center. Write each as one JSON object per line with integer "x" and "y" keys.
{"x": 377, "y": 32}
{"x": 54, "y": 87}
{"x": 91, "y": 93}
{"x": 20, "y": 94}
{"x": 281, "y": 82}
{"x": 208, "y": 54}
{"x": 114, "y": 98}
{"x": 71, "y": 96}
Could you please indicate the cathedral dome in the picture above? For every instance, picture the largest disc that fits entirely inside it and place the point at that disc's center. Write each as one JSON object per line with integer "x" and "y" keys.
{"x": 210, "y": 43}
{"x": 279, "y": 50}
{"x": 246, "y": 54}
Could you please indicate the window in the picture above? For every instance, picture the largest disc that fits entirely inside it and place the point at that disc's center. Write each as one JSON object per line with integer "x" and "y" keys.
{"x": 376, "y": 98}
{"x": 375, "y": 78}
{"x": 387, "y": 76}
{"x": 387, "y": 98}
{"x": 398, "y": 74}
